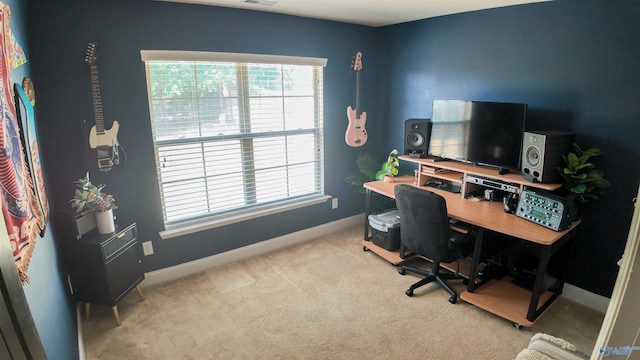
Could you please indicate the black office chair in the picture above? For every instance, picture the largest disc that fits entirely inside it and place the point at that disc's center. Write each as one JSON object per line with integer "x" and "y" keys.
{"x": 425, "y": 229}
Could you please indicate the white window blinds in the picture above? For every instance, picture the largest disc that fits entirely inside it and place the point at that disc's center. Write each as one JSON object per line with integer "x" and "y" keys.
{"x": 234, "y": 133}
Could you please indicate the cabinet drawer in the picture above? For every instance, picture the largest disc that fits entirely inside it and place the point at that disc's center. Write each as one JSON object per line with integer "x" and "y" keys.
{"x": 118, "y": 242}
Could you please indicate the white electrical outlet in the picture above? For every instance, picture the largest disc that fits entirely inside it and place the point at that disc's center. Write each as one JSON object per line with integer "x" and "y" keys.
{"x": 334, "y": 203}
{"x": 147, "y": 248}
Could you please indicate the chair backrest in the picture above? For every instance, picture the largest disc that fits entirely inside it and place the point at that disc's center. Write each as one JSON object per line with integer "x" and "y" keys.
{"x": 424, "y": 224}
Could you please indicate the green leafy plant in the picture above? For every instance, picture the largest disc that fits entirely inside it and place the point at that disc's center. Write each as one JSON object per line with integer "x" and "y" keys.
{"x": 89, "y": 198}
{"x": 582, "y": 179}
{"x": 389, "y": 167}
{"x": 367, "y": 165}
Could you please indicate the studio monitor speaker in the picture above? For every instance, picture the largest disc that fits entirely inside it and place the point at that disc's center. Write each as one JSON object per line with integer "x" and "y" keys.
{"x": 542, "y": 153}
{"x": 417, "y": 133}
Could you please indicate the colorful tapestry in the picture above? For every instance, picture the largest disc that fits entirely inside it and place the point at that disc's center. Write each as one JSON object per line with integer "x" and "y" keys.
{"x": 20, "y": 206}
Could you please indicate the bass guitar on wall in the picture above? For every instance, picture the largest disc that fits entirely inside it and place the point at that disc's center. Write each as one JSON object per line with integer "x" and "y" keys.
{"x": 104, "y": 141}
{"x": 356, "y": 134}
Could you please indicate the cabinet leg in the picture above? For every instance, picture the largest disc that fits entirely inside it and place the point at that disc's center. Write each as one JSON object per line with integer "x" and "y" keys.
{"x": 139, "y": 290}
{"x": 116, "y": 314}
{"x": 87, "y": 311}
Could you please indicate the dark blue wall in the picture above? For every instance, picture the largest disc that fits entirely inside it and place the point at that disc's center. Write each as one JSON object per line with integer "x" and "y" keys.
{"x": 61, "y": 32}
{"x": 574, "y": 62}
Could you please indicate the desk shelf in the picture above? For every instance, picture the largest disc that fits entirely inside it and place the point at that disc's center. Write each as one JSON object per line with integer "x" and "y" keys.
{"x": 456, "y": 172}
{"x": 391, "y": 256}
{"x": 448, "y": 175}
{"x": 394, "y": 258}
{"x": 503, "y": 298}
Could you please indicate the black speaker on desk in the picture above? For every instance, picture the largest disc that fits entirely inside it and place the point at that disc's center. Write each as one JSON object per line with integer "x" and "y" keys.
{"x": 542, "y": 153}
{"x": 417, "y": 133}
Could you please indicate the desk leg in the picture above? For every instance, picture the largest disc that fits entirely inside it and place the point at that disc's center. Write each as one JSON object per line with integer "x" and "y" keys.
{"x": 367, "y": 211}
{"x": 560, "y": 248}
{"x": 477, "y": 250}
{"x": 538, "y": 286}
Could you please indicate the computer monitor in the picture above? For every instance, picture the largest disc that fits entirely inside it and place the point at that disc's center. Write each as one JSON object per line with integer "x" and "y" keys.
{"x": 479, "y": 132}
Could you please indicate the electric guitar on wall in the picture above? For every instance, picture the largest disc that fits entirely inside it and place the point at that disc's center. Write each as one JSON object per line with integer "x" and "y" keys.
{"x": 104, "y": 141}
{"x": 356, "y": 134}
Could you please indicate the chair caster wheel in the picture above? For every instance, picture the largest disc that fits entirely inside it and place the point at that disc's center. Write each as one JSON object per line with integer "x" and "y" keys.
{"x": 364, "y": 248}
{"x": 453, "y": 299}
{"x": 409, "y": 292}
{"x": 517, "y": 326}
{"x": 402, "y": 271}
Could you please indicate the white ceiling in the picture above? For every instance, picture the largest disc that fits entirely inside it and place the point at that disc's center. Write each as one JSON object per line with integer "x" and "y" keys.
{"x": 364, "y": 12}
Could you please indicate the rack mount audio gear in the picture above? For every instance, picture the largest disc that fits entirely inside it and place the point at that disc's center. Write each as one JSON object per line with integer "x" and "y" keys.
{"x": 548, "y": 210}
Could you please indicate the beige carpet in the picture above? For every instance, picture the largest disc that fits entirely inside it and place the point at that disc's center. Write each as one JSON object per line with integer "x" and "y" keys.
{"x": 324, "y": 299}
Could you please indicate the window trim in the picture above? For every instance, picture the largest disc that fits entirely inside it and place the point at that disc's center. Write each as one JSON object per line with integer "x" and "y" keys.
{"x": 189, "y": 227}
{"x": 231, "y": 217}
{"x": 177, "y": 55}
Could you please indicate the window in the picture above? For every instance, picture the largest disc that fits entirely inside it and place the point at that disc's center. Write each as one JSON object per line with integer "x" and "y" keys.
{"x": 235, "y": 135}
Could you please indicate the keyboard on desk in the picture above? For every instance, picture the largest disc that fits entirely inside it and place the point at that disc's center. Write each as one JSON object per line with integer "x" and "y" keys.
{"x": 462, "y": 225}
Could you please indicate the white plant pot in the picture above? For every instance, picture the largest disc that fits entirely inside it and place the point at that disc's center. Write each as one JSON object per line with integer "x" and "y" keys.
{"x": 104, "y": 220}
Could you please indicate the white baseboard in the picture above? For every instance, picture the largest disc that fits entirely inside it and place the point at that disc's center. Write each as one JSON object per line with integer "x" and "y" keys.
{"x": 571, "y": 292}
{"x": 263, "y": 247}
{"x": 586, "y": 298}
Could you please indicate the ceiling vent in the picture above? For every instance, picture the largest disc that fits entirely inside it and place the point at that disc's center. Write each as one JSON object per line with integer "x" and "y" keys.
{"x": 261, "y": 2}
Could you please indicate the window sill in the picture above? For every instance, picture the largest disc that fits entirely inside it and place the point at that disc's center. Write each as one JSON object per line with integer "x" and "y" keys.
{"x": 189, "y": 228}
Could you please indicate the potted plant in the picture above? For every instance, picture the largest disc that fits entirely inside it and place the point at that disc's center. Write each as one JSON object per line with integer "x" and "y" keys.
{"x": 367, "y": 166}
{"x": 389, "y": 168}
{"x": 90, "y": 200}
{"x": 583, "y": 181}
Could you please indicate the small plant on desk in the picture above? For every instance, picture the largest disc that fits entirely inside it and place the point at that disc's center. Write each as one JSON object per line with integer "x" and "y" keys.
{"x": 389, "y": 168}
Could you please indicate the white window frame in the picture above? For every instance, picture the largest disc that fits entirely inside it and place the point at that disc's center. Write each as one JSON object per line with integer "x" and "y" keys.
{"x": 179, "y": 228}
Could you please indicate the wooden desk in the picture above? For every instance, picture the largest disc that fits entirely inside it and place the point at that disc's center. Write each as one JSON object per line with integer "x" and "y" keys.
{"x": 486, "y": 214}
{"x": 514, "y": 303}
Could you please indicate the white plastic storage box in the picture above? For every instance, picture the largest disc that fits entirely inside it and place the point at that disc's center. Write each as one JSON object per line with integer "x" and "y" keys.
{"x": 386, "y": 229}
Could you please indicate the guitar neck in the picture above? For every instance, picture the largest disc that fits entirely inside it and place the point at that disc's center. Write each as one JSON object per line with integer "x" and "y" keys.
{"x": 97, "y": 102}
{"x": 358, "y": 111}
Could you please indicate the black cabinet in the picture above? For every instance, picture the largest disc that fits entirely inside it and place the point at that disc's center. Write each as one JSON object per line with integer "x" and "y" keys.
{"x": 104, "y": 268}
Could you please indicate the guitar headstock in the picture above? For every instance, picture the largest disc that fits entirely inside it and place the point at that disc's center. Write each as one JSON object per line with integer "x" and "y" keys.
{"x": 91, "y": 56}
{"x": 357, "y": 61}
